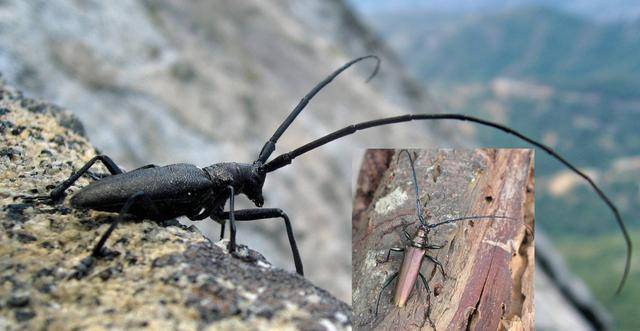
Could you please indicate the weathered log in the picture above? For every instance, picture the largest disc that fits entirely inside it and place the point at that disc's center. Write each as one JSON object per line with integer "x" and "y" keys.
{"x": 490, "y": 262}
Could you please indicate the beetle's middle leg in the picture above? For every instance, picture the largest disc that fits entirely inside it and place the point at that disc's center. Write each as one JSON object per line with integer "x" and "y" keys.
{"x": 97, "y": 251}
{"x": 438, "y": 265}
{"x": 266, "y": 213}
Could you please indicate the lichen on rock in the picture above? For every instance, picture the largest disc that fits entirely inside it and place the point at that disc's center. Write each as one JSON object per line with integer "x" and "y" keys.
{"x": 158, "y": 276}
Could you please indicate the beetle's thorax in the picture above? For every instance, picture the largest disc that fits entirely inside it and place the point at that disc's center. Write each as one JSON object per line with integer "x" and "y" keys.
{"x": 420, "y": 239}
{"x": 245, "y": 178}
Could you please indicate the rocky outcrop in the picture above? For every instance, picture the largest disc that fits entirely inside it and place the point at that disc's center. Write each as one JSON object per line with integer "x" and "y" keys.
{"x": 167, "y": 81}
{"x": 160, "y": 276}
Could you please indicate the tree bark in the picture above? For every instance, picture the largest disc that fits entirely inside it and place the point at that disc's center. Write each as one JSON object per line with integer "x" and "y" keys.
{"x": 490, "y": 262}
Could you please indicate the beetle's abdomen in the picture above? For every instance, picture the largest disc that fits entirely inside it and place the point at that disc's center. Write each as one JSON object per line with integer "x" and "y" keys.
{"x": 408, "y": 274}
{"x": 174, "y": 190}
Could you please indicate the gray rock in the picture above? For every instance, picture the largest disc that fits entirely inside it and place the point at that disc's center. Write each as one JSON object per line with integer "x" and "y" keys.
{"x": 201, "y": 82}
{"x": 162, "y": 276}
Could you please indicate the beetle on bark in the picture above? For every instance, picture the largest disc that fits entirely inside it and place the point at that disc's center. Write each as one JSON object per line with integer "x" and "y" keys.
{"x": 417, "y": 250}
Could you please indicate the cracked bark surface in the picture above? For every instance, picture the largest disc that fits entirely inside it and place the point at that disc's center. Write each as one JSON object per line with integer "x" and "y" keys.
{"x": 490, "y": 262}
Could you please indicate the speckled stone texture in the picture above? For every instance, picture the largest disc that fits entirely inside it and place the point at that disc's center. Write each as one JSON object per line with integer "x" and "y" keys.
{"x": 156, "y": 276}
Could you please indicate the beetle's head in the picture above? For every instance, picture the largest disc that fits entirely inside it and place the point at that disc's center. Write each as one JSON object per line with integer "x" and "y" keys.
{"x": 253, "y": 187}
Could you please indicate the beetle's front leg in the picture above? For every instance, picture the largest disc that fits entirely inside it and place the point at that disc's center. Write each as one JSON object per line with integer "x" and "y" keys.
{"x": 266, "y": 213}
{"x": 232, "y": 220}
{"x": 222, "y": 224}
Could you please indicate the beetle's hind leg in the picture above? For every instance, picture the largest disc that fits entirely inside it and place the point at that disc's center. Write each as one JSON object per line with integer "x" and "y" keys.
{"x": 85, "y": 265}
{"x": 426, "y": 286}
{"x": 58, "y": 192}
{"x": 386, "y": 284}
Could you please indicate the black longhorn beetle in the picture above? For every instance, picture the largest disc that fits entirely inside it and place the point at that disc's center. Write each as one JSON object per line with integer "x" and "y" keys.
{"x": 165, "y": 192}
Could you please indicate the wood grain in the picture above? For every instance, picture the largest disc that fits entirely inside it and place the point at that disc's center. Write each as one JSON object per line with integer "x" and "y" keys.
{"x": 490, "y": 262}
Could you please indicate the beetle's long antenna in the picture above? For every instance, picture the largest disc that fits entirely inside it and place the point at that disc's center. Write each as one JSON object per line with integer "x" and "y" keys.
{"x": 415, "y": 185}
{"x": 468, "y": 218}
{"x": 286, "y": 158}
{"x": 270, "y": 145}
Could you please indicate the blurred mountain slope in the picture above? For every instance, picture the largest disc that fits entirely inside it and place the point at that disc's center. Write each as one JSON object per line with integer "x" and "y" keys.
{"x": 571, "y": 81}
{"x": 601, "y": 10}
{"x": 208, "y": 81}
{"x": 533, "y": 43}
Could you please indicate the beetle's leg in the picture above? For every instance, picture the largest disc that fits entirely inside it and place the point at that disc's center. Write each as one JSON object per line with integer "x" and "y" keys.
{"x": 406, "y": 234}
{"x": 426, "y": 286}
{"x": 438, "y": 264}
{"x": 386, "y": 284}
{"x": 145, "y": 167}
{"x": 58, "y": 192}
{"x": 136, "y": 197}
{"x": 264, "y": 213}
{"x": 392, "y": 249}
{"x": 435, "y": 246}
{"x": 85, "y": 265}
{"x": 232, "y": 220}
{"x": 113, "y": 168}
{"x": 222, "y": 229}
{"x": 98, "y": 176}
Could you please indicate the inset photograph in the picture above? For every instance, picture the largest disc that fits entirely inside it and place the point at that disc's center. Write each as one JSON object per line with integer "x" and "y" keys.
{"x": 443, "y": 239}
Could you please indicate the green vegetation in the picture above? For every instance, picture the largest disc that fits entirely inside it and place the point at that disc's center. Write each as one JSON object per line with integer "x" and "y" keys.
{"x": 589, "y": 108}
{"x": 571, "y": 82}
{"x": 599, "y": 262}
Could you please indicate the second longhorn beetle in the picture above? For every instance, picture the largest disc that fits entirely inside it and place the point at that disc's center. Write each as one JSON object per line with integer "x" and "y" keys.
{"x": 165, "y": 192}
{"x": 418, "y": 250}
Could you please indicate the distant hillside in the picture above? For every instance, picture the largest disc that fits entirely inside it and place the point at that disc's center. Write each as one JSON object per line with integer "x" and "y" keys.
{"x": 533, "y": 43}
{"x": 601, "y": 10}
{"x": 573, "y": 82}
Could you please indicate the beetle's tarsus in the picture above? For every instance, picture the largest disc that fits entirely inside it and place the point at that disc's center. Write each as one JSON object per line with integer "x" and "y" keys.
{"x": 45, "y": 199}
{"x": 83, "y": 268}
